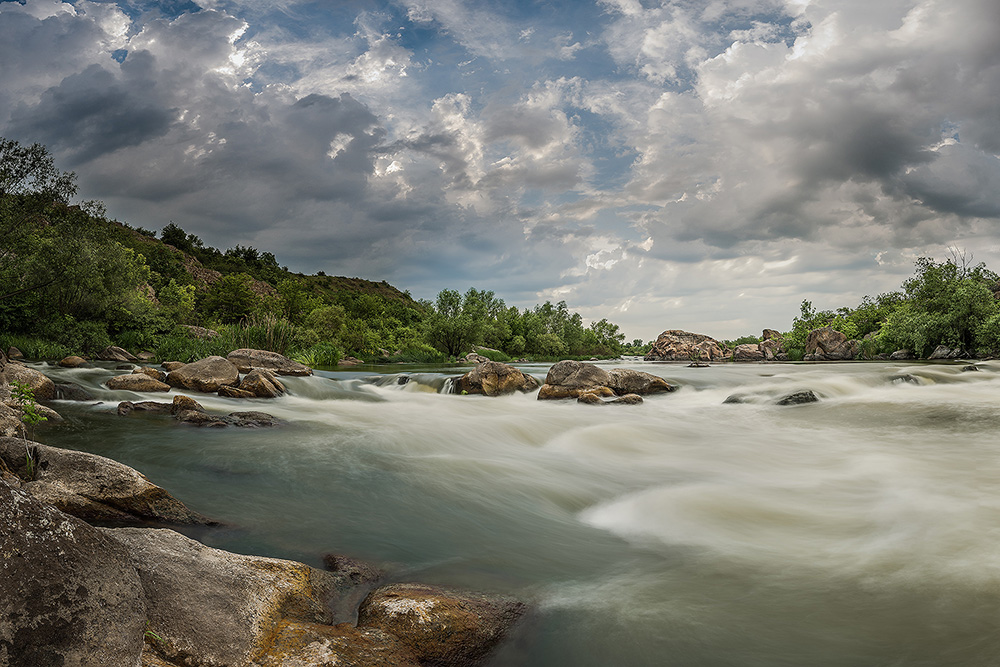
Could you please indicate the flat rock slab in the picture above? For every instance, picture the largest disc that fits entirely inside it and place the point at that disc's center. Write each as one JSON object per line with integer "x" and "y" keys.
{"x": 95, "y": 488}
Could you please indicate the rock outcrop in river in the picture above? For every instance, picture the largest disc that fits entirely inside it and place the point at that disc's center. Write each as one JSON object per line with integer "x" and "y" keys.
{"x": 570, "y": 379}
{"x": 676, "y": 345}
{"x": 492, "y": 378}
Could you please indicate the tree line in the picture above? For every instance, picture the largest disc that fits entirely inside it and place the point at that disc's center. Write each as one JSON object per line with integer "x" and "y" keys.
{"x": 74, "y": 281}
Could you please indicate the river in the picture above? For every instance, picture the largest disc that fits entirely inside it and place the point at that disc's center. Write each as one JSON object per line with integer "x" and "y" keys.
{"x": 860, "y": 530}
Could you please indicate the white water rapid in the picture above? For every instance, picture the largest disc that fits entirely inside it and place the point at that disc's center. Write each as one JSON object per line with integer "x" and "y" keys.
{"x": 860, "y": 530}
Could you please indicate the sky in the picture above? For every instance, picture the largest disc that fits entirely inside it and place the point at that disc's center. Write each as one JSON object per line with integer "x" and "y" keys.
{"x": 699, "y": 165}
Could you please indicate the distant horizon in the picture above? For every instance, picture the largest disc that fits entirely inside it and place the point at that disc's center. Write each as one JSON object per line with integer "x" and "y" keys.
{"x": 661, "y": 164}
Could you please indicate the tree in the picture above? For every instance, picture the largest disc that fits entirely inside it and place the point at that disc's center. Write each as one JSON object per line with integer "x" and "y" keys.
{"x": 231, "y": 298}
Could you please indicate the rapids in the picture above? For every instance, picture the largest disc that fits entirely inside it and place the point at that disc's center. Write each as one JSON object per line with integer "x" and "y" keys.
{"x": 860, "y": 530}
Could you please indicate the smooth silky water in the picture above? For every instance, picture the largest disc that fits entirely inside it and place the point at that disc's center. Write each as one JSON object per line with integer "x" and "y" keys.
{"x": 860, "y": 530}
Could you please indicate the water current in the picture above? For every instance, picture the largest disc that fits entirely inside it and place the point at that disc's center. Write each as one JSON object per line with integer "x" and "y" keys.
{"x": 863, "y": 529}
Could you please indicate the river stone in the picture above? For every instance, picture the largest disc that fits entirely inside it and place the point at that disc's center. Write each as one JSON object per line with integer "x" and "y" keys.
{"x": 10, "y": 421}
{"x": 594, "y": 398}
{"x": 69, "y": 595}
{"x": 128, "y": 407}
{"x": 492, "y": 378}
{"x": 72, "y": 362}
{"x": 96, "y": 489}
{"x": 41, "y": 387}
{"x": 206, "y": 375}
{"x": 748, "y": 352}
{"x": 440, "y": 627}
{"x": 902, "y": 355}
{"x": 569, "y": 379}
{"x": 627, "y": 381}
{"x": 212, "y": 607}
{"x": 115, "y": 353}
{"x": 73, "y": 392}
{"x": 154, "y": 373}
{"x": 261, "y": 383}
{"x": 136, "y": 382}
{"x": 199, "y": 418}
{"x": 14, "y": 353}
{"x": 234, "y": 392}
{"x": 970, "y": 367}
{"x": 798, "y": 398}
{"x": 247, "y": 360}
{"x": 182, "y": 403}
{"x": 169, "y": 366}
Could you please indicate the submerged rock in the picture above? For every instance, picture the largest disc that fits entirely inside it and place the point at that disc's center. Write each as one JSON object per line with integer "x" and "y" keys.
{"x": 69, "y": 595}
{"x": 73, "y": 392}
{"x": 95, "y": 488}
{"x": 492, "y": 378}
{"x": 440, "y": 627}
{"x": 128, "y": 407}
{"x": 798, "y": 398}
{"x": 594, "y": 398}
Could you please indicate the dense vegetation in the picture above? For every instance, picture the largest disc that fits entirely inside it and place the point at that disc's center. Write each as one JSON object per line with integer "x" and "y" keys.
{"x": 74, "y": 281}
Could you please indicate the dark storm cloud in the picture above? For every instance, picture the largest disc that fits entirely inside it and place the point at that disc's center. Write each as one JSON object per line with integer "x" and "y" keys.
{"x": 91, "y": 114}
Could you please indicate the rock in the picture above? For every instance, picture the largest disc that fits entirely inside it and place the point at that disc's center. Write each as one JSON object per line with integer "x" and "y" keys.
{"x": 492, "y": 378}
{"x": 627, "y": 381}
{"x": 247, "y": 360}
{"x": 261, "y": 383}
{"x": 212, "y": 607}
{"x": 172, "y": 365}
{"x": 594, "y": 398}
{"x": 96, "y": 489}
{"x": 474, "y": 358}
{"x": 14, "y": 353}
{"x": 902, "y": 355}
{"x": 69, "y": 595}
{"x": 944, "y": 352}
{"x": 358, "y": 572}
{"x": 748, "y": 352}
{"x": 349, "y": 361}
{"x": 569, "y": 379}
{"x": 828, "y": 344}
{"x": 10, "y": 421}
{"x": 735, "y": 398}
{"x": 198, "y": 418}
{"x": 128, "y": 407}
{"x": 251, "y": 419}
{"x": 234, "y": 392}
{"x": 73, "y": 392}
{"x": 770, "y": 334}
{"x": 136, "y": 382}
{"x": 41, "y": 387}
{"x": 201, "y": 333}
{"x": 154, "y": 373}
{"x": 146, "y": 356}
{"x": 205, "y": 375}
{"x": 440, "y": 627}
{"x": 182, "y": 402}
{"x": 73, "y": 362}
{"x": 970, "y": 368}
{"x": 676, "y": 345}
{"x": 312, "y": 645}
{"x": 797, "y": 398}
{"x": 773, "y": 349}
{"x": 115, "y": 353}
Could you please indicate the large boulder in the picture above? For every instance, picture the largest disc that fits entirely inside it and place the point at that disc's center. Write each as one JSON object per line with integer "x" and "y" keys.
{"x": 676, "y": 345}
{"x": 42, "y": 387}
{"x": 212, "y": 607}
{"x": 69, "y": 595}
{"x": 945, "y": 352}
{"x": 570, "y": 379}
{"x": 625, "y": 381}
{"x": 205, "y": 375}
{"x": 492, "y": 378}
{"x": 72, "y": 362}
{"x": 748, "y": 352}
{"x": 115, "y": 353}
{"x": 94, "y": 488}
{"x": 828, "y": 344}
{"x": 440, "y": 627}
{"x": 154, "y": 373}
{"x": 247, "y": 360}
{"x": 136, "y": 382}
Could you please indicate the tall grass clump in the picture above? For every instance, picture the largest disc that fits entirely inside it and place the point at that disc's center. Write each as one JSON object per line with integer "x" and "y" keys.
{"x": 35, "y": 349}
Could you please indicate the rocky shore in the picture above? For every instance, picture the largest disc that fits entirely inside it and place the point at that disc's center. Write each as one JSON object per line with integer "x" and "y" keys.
{"x": 95, "y": 576}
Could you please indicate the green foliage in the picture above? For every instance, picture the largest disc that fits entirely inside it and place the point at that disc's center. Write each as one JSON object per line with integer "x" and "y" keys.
{"x": 231, "y": 298}
{"x": 178, "y": 301}
{"x": 33, "y": 347}
{"x": 319, "y": 355}
{"x": 24, "y": 398}
{"x": 492, "y": 355}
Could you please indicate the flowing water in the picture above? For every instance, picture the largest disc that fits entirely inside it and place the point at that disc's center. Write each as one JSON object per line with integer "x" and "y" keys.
{"x": 860, "y": 530}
